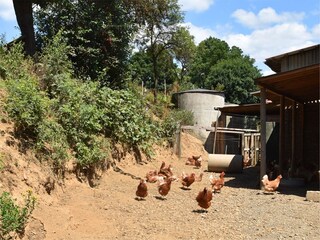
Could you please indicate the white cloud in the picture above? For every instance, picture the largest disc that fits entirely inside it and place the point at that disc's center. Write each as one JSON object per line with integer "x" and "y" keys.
{"x": 197, "y": 6}
{"x": 266, "y": 17}
{"x": 7, "y": 10}
{"x": 316, "y": 32}
{"x": 264, "y": 43}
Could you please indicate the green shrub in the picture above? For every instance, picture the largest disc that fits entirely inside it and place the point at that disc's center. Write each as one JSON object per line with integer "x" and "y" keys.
{"x": 52, "y": 144}
{"x": 24, "y": 103}
{"x": 79, "y": 113}
{"x": 125, "y": 118}
{"x": 13, "y": 218}
{"x": 171, "y": 123}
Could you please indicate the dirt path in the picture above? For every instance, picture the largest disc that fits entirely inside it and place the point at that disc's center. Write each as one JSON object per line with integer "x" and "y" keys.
{"x": 240, "y": 211}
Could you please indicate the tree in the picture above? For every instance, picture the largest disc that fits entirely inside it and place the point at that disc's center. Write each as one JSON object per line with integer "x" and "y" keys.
{"x": 141, "y": 69}
{"x": 235, "y": 76}
{"x": 208, "y": 53}
{"x": 24, "y": 16}
{"x": 160, "y": 21}
{"x": 217, "y": 66}
{"x": 23, "y": 11}
{"x": 184, "y": 50}
{"x": 99, "y": 32}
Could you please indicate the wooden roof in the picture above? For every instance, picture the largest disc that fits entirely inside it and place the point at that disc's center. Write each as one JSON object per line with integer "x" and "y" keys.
{"x": 250, "y": 109}
{"x": 301, "y": 85}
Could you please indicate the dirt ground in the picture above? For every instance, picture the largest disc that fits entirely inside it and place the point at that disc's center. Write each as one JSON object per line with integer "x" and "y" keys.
{"x": 74, "y": 210}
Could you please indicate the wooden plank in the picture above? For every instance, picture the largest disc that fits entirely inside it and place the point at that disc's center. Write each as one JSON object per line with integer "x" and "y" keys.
{"x": 238, "y": 129}
{"x": 263, "y": 133}
{"x": 282, "y": 134}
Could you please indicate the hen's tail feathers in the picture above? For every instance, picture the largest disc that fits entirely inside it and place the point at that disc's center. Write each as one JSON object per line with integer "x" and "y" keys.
{"x": 265, "y": 179}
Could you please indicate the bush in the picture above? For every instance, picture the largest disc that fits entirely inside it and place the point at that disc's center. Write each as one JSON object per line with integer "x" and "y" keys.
{"x": 24, "y": 103}
{"x": 52, "y": 144}
{"x": 173, "y": 121}
{"x": 125, "y": 118}
{"x": 13, "y": 218}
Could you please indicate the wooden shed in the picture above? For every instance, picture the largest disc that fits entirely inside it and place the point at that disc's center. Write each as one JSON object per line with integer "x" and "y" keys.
{"x": 295, "y": 89}
{"x": 290, "y": 98}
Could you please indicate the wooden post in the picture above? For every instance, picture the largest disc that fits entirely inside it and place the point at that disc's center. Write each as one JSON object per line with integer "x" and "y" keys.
{"x": 293, "y": 133}
{"x": 215, "y": 135}
{"x": 252, "y": 150}
{"x": 263, "y": 133}
{"x": 282, "y": 134}
{"x": 179, "y": 142}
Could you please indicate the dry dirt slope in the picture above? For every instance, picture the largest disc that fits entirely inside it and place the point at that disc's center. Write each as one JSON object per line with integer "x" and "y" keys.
{"x": 110, "y": 210}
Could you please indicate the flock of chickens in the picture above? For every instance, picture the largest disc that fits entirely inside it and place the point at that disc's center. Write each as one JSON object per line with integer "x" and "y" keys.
{"x": 164, "y": 177}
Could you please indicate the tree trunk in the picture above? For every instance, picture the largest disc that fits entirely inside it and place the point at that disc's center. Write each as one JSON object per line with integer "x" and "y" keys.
{"x": 23, "y": 11}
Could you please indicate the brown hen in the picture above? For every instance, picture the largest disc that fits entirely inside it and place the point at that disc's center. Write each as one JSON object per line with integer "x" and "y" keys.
{"x": 166, "y": 171}
{"x": 187, "y": 179}
{"x": 164, "y": 187}
{"x": 204, "y": 198}
{"x": 142, "y": 190}
{"x": 194, "y": 161}
{"x": 217, "y": 183}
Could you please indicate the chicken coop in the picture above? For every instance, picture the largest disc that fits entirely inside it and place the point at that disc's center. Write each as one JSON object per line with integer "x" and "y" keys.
{"x": 237, "y": 134}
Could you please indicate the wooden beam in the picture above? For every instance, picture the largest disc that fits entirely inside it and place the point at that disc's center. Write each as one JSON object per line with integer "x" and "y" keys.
{"x": 282, "y": 134}
{"x": 271, "y": 90}
{"x": 293, "y": 137}
{"x": 263, "y": 133}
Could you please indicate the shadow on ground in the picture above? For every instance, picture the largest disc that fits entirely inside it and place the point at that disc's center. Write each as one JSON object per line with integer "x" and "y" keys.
{"x": 250, "y": 179}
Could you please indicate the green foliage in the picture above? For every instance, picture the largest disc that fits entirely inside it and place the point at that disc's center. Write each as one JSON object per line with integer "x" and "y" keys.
{"x": 99, "y": 33}
{"x": 217, "y": 66}
{"x": 209, "y": 52}
{"x": 52, "y": 144}
{"x": 13, "y": 218}
{"x": 54, "y": 64}
{"x": 235, "y": 77}
{"x": 25, "y": 103}
{"x": 184, "y": 51}
{"x": 173, "y": 121}
{"x": 125, "y": 117}
{"x": 77, "y": 110}
{"x": 160, "y": 23}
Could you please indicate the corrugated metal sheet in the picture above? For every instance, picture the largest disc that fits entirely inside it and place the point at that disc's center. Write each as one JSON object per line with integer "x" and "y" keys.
{"x": 295, "y": 60}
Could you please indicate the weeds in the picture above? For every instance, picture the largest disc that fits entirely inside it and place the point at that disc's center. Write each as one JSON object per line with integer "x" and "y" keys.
{"x": 13, "y": 218}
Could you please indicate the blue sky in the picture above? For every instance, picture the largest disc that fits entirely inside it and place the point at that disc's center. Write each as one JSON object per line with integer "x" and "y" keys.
{"x": 261, "y": 28}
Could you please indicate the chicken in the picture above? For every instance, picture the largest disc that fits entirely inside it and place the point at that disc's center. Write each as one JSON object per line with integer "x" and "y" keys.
{"x": 165, "y": 171}
{"x": 217, "y": 183}
{"x": 163, "y": 164}
{"x": 142, "y": 190}
{"x": 164, "y": 187}
{"x": 188, "y": 179}
{"x": 194, "y": 161}
{"x": 271, "y": 186}
{"x": 199, "y": 178}
{"x": 204, "y": 198}
{"x": 152, "y": 176}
